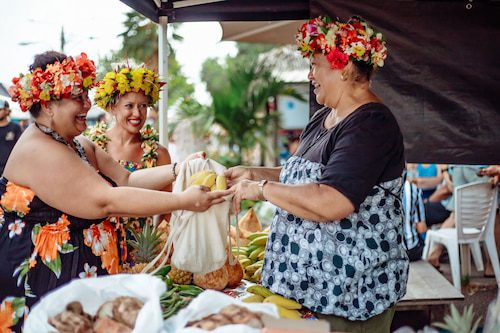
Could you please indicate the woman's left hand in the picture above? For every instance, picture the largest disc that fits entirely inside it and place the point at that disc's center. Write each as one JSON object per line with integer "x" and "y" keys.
{"x": 245, "y": 189}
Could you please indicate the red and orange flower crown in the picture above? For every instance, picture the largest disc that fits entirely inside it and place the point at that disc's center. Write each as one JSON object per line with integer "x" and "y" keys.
{"x": 341, "y": 42}
{"x": 65, "y": 79}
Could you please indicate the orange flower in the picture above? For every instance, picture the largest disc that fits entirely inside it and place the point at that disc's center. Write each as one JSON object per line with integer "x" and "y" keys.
{"x": 103, "y": 241}
{"x": 17, "y": 199}
{"x": 50, "y": 238}
{"x": 6, "y": 317}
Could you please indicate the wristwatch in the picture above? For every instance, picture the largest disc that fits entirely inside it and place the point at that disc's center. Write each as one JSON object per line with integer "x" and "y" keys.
{"x": 261, "y": 189}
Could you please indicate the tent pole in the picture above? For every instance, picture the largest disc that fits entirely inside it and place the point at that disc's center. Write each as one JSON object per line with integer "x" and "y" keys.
{"x": 163, "y": 52}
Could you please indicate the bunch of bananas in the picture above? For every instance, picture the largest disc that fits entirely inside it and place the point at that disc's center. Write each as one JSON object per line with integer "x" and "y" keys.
{"x": 209, "y": 179}
{"x": 251, "y": 257}
{"x": 287, "y": 308}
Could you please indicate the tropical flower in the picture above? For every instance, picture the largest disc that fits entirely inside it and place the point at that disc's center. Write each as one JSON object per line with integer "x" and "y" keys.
{"x": 16, "y": 228}
{"x": 126, "y": 79}
{"x": 341, "y": 42}
{"x": 89, "y": 271}
{"x": 65, "y": 79}
{"x": 51, "y": 240}
{"x": 102, "y": 239}
{"x": 17, "y": 199}
{"x": 11, "y": 309}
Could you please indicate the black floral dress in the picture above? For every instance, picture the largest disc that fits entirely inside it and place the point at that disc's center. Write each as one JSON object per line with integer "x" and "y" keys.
{"x": 357, "y": 267}
{"x": 42, "y": 248}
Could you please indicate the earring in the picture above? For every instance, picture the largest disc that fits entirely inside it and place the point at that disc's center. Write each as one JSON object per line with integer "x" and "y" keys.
{"x": 342, "y": 77}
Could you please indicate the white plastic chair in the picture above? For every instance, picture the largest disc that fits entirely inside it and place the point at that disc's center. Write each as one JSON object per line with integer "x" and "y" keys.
{"x": 475, "y": 208}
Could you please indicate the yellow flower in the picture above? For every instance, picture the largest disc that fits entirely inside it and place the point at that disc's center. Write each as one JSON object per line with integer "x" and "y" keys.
{"x": 110, "y": 76}
{"x": 87, "y": 81}
{"x": 109, "y": 87}
{"x": 45, "y": 95}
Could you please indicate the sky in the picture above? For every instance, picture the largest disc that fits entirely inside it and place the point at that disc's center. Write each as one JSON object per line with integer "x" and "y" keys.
{"x": 30, "y": 27}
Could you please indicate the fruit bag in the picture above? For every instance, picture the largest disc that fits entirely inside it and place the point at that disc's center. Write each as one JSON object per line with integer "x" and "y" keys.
{"x": 198, "y": 238}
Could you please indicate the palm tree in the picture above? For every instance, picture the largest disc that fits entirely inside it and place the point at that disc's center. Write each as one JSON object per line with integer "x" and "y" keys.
{"x": 140, "y": 43}
{"x": 240, "y": 90}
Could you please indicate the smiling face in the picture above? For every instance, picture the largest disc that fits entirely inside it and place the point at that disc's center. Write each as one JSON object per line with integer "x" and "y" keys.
{"x": 70, "y": 115}
{"x": 327, "y": 83}
{"x": 130, "y": 111}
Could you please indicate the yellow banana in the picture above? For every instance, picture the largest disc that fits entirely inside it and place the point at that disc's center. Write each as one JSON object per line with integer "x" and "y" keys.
{"x": 256, "y": 235}
{"x": 242, "y": 256}
{"x": 245, "y": 262}
{"x": 252, "y": 268}
{"x": 257, "y": 289}
{"x": 212, "y": 188}
{"x": 209, "y": 180}
{"x": 288, "y": 314}
{"x": 198, "y": 177}
{"x": 253, "y": 299}
{"x": 257, "y": 276}
{"x": 262, "y": 240}
{"x": 261, "y": 255}
{"x": 283, "y": 302}
{"x": 255, "y": 253}
{"x": 220, "y": 182}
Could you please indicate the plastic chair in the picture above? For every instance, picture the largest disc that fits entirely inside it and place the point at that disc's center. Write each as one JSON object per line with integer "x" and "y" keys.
{"x": 475, "y": 208}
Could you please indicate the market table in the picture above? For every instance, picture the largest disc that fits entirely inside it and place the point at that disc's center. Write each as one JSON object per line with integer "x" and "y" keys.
{"x": 427, "y": 289}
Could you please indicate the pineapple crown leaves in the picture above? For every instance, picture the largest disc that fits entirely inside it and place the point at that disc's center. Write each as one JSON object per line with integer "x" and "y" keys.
{"x": 145, "y": 243}
{"x": 456, "y": 322}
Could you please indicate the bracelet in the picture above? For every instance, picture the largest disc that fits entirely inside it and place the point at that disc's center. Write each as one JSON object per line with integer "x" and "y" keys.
{"x": 261, "y": 189}
{"x": 173, "y": 170}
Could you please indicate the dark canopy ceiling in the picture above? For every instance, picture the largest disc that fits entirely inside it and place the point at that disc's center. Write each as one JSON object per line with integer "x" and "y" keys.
{"x": 229, "y": 10}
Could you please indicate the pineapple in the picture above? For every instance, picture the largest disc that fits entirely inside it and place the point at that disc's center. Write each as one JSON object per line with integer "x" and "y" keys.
{"x": 179, "y": 276}
{"x": 136, "y": 269}
{"x": 146, "y": 244}
{"x": 456, "y": 322}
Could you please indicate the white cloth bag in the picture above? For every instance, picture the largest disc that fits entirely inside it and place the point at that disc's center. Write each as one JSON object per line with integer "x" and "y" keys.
{"x": 199, "y": 239}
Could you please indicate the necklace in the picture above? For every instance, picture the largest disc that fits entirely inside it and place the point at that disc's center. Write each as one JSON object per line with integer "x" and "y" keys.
{"x": 56, "y": 136}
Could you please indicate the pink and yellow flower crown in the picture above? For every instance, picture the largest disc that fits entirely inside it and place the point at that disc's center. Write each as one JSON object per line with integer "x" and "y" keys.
{"x": 341, "y": 42}
{"x": 126, "y": 79}
{"x": 65, "y": 79}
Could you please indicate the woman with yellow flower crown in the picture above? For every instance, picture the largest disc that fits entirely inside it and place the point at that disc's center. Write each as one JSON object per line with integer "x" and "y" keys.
{"x": 127, "y": 93}
{"x": 59, "y": 188}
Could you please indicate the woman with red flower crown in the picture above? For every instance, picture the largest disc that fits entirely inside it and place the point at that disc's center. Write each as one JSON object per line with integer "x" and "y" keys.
{"x": 336, "y": 242}
{"x": 58, "y": 189}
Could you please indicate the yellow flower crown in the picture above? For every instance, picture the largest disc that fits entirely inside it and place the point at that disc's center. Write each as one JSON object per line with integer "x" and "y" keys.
{"x": 125, "y": 79}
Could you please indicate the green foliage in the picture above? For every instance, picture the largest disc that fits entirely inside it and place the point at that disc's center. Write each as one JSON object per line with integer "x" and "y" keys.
{"x": 240, "y": 89}
{"x": 455, "y": 322}
{"x": 140, "y": 44}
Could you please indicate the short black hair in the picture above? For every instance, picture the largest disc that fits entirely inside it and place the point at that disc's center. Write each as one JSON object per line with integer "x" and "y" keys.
{"x": 41, "y": 61}
{"x": 4, "y": 104}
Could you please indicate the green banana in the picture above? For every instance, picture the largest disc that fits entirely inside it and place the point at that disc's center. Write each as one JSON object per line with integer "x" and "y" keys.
{"x": 257, "y": 289}
{"x": 259, "y": 241}
{"x": 257, "y": 235}
{"x": 255, "y": 253}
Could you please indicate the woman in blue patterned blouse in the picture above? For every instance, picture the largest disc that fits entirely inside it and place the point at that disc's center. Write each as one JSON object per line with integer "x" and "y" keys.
{"x": 336, "y": 241}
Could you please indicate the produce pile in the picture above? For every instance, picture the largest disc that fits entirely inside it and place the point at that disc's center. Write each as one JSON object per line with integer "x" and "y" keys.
{"x": 118, "y": 315}
{"x": 253, "y": 240}
{"x": 230, "y": 315}
{"x": 287, "y": 308}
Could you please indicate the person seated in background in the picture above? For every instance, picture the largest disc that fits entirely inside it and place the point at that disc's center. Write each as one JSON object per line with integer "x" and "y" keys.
{"x": 492, "y": 171}
{"x": 459, "y": 175}
{"x": 414, "y": 226}
{"x": 426, "y": 176}
{"x": 437, "y": 205}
